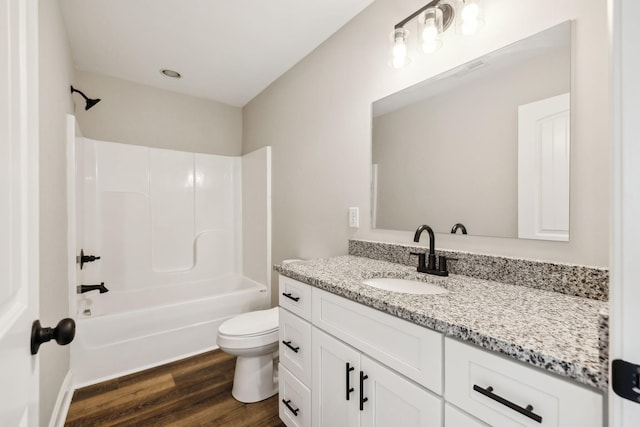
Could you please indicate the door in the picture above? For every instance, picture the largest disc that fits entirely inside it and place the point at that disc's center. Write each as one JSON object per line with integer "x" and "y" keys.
{"x": 392, "y": 400}
{"x": 625, "y": 252}
{"x": 18, "y": 211}
{"x": 543, "y": 169}
{"x": 335, "y": 393}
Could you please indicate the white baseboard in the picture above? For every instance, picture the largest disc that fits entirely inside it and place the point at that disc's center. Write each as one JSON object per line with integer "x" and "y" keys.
{"x": 63, "y": 402}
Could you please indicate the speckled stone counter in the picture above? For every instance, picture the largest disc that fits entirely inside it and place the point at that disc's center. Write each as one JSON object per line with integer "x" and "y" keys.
{"x": 556, "y": 332}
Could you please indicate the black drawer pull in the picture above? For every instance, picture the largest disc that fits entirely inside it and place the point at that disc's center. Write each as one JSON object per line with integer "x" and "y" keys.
{"x": 527, "y": 412}
{"x": 288, "y": 344}
{"x": 362, "y": 398}
{"x": 286, "y": 403}
{"x": 296, "y": 299}
{"x": 349, "y": 389}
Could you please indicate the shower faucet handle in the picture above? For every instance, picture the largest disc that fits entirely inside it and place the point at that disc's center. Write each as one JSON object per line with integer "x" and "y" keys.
{"x": 83, "y": 259}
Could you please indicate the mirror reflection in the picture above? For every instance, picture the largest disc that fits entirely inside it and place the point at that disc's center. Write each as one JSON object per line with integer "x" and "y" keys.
{"x": 484, "y": 146}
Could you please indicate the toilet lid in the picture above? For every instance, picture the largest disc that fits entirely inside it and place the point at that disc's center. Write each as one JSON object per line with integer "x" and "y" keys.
{"x": 254, "y": 323}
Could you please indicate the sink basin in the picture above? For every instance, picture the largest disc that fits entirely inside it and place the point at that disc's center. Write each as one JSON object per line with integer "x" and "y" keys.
{"x": 405, "y": 286}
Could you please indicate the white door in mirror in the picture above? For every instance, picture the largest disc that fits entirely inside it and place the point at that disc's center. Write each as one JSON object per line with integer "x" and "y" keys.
{"x": 543, "y": 169}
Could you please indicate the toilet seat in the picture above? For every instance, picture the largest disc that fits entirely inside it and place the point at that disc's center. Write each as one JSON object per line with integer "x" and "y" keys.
{"x": 249, "y": 330}
{"x": 250, "y": 324}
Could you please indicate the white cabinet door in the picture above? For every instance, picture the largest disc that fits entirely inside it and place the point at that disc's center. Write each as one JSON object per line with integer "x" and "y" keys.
{"x": 336, "y": 367}
{"x": 391, "y": 400}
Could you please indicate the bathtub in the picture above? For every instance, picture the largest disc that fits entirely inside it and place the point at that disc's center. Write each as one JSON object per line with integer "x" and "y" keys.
{"x": 123, "y": 332}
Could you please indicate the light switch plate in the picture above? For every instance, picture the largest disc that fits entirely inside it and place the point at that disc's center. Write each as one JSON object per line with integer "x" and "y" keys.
{"x": 354, "y": 217}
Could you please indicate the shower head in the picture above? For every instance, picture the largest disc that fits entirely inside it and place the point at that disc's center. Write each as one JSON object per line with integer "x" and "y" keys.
{"x": 89, "y": 102}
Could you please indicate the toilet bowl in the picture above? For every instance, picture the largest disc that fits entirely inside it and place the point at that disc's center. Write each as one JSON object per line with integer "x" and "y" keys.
{"x": 253, "y": 338}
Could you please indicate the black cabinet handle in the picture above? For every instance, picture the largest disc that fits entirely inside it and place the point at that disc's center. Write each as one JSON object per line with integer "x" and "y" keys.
{"x": 527, "y": 412}
{"x": 296, "y": 299}
{"x": 288, "y": 344}
{"x": 286, "y": 403}
{"x": 349, "y": 389}
{"x": 362, "y": 398}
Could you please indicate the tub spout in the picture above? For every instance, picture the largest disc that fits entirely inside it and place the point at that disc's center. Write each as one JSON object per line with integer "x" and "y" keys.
{"x": 86, "y": 288}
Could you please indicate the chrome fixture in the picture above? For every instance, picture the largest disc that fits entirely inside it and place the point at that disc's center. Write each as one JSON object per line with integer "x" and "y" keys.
{"x": 89, "y": 102}
{"x": 430, "y": 266}
{"x": 433, "y": 20}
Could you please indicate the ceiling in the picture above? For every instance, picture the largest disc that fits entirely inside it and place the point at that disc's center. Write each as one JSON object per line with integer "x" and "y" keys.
{"x": 225, "y": 50}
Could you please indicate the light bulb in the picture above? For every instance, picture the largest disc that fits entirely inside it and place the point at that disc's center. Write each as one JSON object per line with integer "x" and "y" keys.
{"x": 430, "y": 31}
{"x": 399, "y": 51}
{"x": 471, "y": 17}
{"x": 430, "y": 46}
{"x": 430, "y": 24}
{"x": 470, "y": 11}
{"x": 399, "y": 54}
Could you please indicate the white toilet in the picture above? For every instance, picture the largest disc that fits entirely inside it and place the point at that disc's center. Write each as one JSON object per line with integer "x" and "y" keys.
{"x": 253, "y": 338}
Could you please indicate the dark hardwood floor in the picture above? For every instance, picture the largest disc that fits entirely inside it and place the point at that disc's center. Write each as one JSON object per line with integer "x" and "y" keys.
{"x": 190, "y": 392}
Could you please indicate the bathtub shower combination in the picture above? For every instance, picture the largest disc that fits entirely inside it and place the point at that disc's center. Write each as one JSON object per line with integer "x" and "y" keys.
{"x": 167, "y": 226}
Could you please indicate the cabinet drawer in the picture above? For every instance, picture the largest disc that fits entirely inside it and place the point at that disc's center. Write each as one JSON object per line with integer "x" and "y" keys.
{"x": 295, "y": 345}
{"x": 498, "y": 391}
{"x": 294, "y": 400}
{"x": 412, "y": 350}
{"x": 296, "y": 297}
{"x": 454, "y": 417}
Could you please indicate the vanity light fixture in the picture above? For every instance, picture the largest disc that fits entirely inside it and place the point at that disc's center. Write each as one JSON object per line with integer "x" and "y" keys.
{"x": 433, "y": 20}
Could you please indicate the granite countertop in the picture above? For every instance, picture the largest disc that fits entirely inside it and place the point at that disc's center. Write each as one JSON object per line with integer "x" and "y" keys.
{"x": 556, "y": 332}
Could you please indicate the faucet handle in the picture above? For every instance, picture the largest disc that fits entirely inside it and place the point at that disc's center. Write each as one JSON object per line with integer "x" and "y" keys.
{"x": 422, "y": 260}
{"x": 442, "y": 264}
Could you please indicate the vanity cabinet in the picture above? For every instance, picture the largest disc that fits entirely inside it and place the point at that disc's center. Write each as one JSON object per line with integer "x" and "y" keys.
{"x": 346, "y": 364}
{"x": 351, "y": 389}
{"x": 504, "y": 392}
{"x": 294, "y": 368}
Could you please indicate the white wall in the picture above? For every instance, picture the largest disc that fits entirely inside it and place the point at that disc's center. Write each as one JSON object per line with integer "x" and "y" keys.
{"x": 317, "y": 118}
{"x": 132, "y": 113}
{"x": 56, "y": 73}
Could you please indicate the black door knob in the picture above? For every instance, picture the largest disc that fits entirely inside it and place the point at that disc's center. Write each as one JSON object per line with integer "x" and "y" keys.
{"x": 63, "y": 333}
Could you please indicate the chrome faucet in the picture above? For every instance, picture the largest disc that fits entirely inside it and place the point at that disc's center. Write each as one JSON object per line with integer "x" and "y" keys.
{"x": 430, "y": 267}
{"x": 86, "y": 288}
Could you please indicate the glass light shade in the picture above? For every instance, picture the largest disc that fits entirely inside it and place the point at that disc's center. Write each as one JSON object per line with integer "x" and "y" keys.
{"x": 430, "y": 29}
{"x": 399, "y": 51}
{"x": 470, "y": 16}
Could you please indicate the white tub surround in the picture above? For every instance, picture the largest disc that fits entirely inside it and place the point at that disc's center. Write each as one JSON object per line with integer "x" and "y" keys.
{"x": 167, "y": 226}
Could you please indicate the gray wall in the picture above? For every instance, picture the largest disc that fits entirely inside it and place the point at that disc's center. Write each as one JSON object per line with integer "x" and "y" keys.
{"x": 132, "y": 113}
{"x": 453, "y": 157}
{"x": 56, "y": 74}
{"x": 317, "y": 118}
